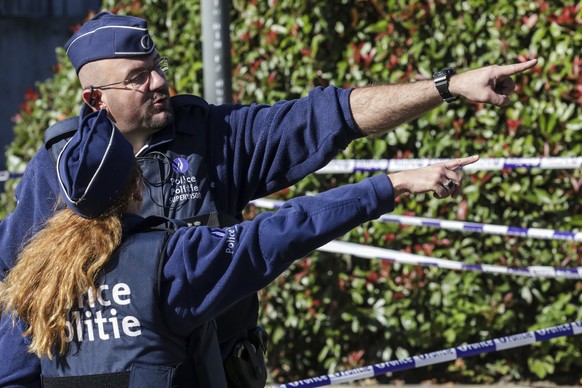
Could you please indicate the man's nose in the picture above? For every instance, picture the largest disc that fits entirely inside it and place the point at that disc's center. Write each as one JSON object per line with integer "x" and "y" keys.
{"x": 157, "y": 79}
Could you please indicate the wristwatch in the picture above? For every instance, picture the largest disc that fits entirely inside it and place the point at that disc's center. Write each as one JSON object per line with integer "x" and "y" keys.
{"x": 441, "y": 81}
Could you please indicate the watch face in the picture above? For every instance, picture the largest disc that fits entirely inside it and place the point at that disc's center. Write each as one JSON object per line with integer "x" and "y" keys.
{"x": 444, "y": 72}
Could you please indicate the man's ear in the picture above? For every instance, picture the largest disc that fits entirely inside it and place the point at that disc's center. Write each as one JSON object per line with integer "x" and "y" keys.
{"x": 92, "y": 97}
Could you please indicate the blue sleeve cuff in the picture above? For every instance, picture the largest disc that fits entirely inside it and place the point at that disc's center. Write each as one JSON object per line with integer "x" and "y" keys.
{"x": 344, "y": 101}
{"x": 384, "y": 194}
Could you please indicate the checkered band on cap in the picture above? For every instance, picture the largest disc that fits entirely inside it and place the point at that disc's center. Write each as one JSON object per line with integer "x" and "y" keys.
{"x": 108, "y": 35}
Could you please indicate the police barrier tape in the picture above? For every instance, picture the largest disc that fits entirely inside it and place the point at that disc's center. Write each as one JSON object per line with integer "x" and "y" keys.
{"x": 548, "y": 234}
{"x": 5, "y": 175}
{"x": 366, "y": 252}
{"x": 344, "y": 166}
{"x": 343, "y": 247}
{"x": 446, "y": 355}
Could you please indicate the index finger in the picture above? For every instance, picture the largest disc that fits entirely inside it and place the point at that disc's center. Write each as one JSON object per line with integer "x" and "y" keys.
{"x": 458, "y": 163}
{"x": 517, "y": 67}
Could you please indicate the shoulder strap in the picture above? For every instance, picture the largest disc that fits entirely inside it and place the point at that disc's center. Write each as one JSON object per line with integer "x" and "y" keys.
{"x": 215, "y": 219}
{"x": 202, "y": 344}
{"x": 57, "y": 135}
{"x": 204, "y": 349}
{"x": 159, "y": 222}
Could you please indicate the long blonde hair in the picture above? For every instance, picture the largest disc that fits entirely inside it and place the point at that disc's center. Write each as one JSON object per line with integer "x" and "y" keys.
{"x": 59, "y": 264}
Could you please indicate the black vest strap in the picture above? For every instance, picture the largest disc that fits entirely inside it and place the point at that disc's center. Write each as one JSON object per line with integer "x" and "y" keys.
{"x": 203, "y": 344}
{"x": 109, "y": 380}
{"x": 215, "y": 219}
{"x": 205, "y": 351}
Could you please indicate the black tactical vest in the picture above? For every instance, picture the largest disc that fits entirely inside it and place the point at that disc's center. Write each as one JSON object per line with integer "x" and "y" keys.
{"x": 117, "y": 337}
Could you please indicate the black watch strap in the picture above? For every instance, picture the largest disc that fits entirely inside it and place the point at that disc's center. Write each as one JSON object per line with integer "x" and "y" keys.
{"x": 441, "y": 81}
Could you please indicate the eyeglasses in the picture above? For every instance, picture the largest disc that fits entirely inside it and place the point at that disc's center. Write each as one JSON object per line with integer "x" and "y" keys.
{"x": 141, "y": 78}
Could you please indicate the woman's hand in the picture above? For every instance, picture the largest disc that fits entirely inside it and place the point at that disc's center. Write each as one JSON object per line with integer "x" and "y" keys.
{"x": 440, "y": 178}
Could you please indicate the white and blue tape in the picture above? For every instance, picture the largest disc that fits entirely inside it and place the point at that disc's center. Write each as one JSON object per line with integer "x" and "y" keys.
{"x": 440, "y": 356}
{"x": 346, "y": 166}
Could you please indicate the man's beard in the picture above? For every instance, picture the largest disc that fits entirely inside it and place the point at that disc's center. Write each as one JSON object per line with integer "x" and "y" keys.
{"x": 160, "y": 120}
{"x": 159, "y": 117}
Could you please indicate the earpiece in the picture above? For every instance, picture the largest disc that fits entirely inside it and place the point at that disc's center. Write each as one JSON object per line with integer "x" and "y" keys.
{"x": 91, "y": 98}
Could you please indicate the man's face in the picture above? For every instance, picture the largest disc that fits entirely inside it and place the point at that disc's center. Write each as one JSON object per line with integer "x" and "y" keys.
{"x": 142, "y": 106}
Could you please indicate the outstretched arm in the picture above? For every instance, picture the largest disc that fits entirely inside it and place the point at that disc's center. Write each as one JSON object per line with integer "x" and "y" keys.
{"x": 377, "y": 109}
{"x": 210, "y": 269}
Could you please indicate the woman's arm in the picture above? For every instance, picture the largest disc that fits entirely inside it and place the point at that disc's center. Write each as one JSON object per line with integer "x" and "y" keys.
{"x": 210, "y": 269}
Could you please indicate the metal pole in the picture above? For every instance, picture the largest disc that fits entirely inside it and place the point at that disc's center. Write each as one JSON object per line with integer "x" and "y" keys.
{"x": 216, "y": 51}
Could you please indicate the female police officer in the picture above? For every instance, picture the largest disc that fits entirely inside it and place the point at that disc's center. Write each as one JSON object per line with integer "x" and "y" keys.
{"x": 108, "y": 300}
